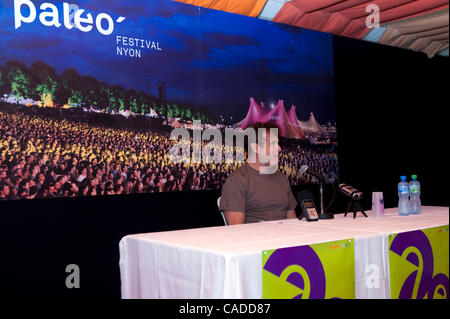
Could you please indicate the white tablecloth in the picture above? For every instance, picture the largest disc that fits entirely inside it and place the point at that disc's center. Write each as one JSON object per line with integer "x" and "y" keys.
{"x": 225, "y": 262}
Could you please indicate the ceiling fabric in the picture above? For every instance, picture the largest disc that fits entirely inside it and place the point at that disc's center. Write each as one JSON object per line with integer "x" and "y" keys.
{"x": 427, "y": 33}
{"x": 418, "y": 25}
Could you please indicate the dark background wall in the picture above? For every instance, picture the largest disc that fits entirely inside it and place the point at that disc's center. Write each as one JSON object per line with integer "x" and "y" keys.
{"x": 391, "y": 122}
{"x": 391, "y": 119}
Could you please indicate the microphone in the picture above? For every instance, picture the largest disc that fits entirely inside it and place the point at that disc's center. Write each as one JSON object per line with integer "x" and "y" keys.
{"x": 350, "y": 191}
{"x": 354, "y": 195}
{"x": 305, "y": 169}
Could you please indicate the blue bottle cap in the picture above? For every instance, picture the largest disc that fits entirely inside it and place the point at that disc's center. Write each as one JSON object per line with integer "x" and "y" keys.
{"x": 403, "y": 178}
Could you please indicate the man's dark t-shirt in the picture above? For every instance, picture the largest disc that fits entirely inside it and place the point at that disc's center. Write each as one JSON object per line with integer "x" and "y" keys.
{"x": 261, "y": 197}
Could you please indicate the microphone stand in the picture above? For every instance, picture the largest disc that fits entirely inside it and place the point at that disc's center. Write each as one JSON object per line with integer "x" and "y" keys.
{"x": 323, "y": 214}
{"x": 321, "y": 198}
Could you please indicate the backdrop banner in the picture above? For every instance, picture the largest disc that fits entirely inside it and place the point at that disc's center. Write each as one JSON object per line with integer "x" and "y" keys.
{"x": 418, "y": 264}
{"x": 317, "y": 271}
{"x": 104, "y": 97}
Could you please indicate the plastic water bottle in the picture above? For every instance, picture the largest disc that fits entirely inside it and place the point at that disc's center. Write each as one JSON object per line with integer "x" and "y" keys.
{"x": 414, "y": 195}
{"x": 403, "y": 197}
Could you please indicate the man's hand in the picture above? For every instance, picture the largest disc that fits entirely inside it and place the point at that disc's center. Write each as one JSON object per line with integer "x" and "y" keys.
{"x": 291, "y": 214}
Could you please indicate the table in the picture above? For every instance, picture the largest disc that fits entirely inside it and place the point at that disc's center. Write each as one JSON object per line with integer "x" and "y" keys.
{"x": 225, "y": 261}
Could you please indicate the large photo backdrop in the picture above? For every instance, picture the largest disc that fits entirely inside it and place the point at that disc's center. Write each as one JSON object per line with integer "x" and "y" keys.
{"x": 90, "y": 91}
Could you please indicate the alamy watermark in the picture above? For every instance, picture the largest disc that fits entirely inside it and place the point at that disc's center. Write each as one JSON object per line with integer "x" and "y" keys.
{"x": 372, "y": 276}
{"x": 73, "y": 279}
{"x": 373, "y": 19}
{"x": 263, "y": 152}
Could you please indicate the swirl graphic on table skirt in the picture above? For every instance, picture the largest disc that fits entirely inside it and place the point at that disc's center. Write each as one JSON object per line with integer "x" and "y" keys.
{"x": 301, "y": 267}
{"x": 415, "y": 248}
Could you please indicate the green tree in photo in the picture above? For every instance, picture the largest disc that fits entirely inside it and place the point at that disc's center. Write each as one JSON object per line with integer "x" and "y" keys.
{"x": 131, "y": 100}
{"x": 119, "y": 97}
{"x": 103, "y": 96}
{"x": 90, "y": 88}
{"x": 143, "y": 103}
{"x": 156, "y": 108}
{"x": 45, "y": 80}
{"x": 176, "y": 112}
{"x": 20, "y": 82}
{"x": 41, "y": 82}
{"x": 189, "y": 114}
{"x": 111, "y": 99}
{"x": 70, "y": 80}
{"x": 62, "y": 94}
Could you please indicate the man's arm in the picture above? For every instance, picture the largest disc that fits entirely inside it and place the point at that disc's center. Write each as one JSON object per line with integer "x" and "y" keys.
{"x": 291, "y": 214}
{"x": 234, "y": 218}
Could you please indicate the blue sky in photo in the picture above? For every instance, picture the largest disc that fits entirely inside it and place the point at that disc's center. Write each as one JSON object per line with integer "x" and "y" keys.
{"x": 208, "y": 58}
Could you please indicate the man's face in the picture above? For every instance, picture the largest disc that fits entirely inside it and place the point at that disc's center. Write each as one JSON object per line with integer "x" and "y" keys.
{"x": 271, "y": 146}
{"x": 267, "y": 150}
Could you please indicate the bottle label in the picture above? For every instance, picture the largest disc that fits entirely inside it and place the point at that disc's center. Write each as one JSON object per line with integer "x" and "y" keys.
{"x": 403, "y": 189}
{"x": 414, "y": 189}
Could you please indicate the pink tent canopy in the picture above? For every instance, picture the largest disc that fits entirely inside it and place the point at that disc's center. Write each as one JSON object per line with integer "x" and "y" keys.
{"x": 295, "y": 122}
{"x": 278, "y": 114}
{"x": 255, "y": 114}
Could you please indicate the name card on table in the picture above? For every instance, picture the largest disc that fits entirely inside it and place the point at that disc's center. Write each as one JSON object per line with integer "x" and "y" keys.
{"x": 317, "y": 271}
{"x": 418, "y": 264}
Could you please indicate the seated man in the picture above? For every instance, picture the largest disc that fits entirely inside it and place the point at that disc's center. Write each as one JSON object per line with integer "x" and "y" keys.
{"x": 254, "y": 192}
